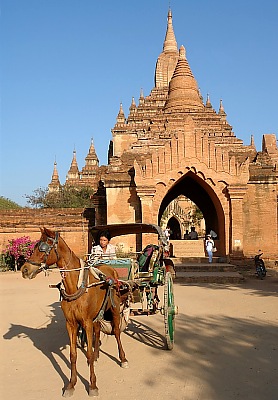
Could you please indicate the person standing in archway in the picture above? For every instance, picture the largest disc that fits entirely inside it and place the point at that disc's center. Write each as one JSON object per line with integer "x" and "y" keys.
{"x": 213, "y": 234}
{"x": 209, "y": 247}
{"x": 193, "y": 235}
{"x": 167, "y": 234}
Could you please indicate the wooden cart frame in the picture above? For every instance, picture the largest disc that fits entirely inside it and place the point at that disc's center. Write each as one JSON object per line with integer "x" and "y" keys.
{"x": 159, "y": 272}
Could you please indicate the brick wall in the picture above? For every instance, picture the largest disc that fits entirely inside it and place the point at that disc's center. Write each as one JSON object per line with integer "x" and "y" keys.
{"x": 72, "y": 223}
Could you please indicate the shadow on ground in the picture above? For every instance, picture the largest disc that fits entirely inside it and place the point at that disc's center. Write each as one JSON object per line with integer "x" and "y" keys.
{"x": 51, "y": 339}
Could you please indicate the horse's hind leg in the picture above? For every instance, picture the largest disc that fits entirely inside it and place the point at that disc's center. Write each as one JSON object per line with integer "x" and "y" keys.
{"x": 72, "y": 332}
{"x": 96, "y": 340}
{"x": 93, "y": 390}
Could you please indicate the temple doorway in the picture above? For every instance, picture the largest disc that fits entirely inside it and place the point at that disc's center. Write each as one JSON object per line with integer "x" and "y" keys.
{"x": 175, "y": 230}
{"x": 202, "y": 195}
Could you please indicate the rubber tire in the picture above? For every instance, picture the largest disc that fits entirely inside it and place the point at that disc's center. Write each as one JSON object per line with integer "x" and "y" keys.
{"x": 169, "y": 311}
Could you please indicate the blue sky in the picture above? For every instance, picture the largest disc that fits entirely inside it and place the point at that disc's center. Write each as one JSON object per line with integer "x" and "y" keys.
{"x": 67, "y": 65}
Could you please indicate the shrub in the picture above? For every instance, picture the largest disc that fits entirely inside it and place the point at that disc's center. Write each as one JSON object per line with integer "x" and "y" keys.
{"x": 18, "y": 251}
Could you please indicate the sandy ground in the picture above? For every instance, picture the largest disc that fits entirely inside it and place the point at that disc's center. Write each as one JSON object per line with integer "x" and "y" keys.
{"x": 225, "y": 345}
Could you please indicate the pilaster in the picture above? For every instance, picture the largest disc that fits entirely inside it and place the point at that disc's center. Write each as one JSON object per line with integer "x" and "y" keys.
{"x": 236, "y": 193}
{"x": 146, "y": 195}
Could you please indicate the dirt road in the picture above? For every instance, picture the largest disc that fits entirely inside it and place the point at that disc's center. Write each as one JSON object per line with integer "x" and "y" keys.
{"x": 226, "y": 346}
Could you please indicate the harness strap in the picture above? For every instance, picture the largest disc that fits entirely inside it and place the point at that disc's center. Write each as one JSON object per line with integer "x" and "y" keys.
{"x": 80, "y": 291}
{"x": 96, "y": 273}
{"x": 104, "y": 304}
{"x": 84, "y": 285}
{"x": 81, "y": 274}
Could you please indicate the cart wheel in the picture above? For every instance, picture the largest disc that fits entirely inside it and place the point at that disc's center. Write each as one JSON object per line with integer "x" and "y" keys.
{"x": 169, "y": 311}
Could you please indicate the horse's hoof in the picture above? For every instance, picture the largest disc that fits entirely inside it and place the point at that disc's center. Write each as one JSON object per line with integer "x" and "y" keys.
{"x": 68, "y": 392}
{"x": 124, "y": 364}
{"x": 93, "y": 392}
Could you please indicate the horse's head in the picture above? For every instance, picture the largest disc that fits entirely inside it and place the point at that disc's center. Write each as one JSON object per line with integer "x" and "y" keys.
{"x": 44, "y": 254}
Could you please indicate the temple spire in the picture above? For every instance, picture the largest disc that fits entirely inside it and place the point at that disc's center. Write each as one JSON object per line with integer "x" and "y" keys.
{"x": 133, "y": 104}
{"x": 221, "y": 109}
{"x": 89, "y": 172}
{"x": 141, "y": 98}
{"x": 183, "y": 92}
{"x": 132, "y": 110}
{"x": 92, "y": 152}
{"x": 74, "y": 161}
{"x": 55, "y": 184}
{"x": 55, "y": 175}
{"x": 121, "y": 116}
{"x": 167, "y": 60}
{"x": 73, "y": 173}
{"x": 170, "y": 43}
{"x": 208, "y": 103}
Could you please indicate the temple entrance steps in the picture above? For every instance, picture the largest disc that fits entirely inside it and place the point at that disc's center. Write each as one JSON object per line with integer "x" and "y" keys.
{"x": 188, "y": 248}
{"x": 190, "y": 272}
{"x": 191, "y": 264}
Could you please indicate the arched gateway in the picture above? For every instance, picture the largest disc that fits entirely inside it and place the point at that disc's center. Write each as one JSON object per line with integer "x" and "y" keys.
{"x": 171, "y": 144}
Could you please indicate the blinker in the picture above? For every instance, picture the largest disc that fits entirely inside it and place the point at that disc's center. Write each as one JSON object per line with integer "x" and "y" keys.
{"x": 44, "y": 247}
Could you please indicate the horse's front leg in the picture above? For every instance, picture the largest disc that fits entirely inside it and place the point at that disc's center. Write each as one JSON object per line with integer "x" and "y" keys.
{"x": 72, "y": 332}
{"x": 93, "y": 390}
{"x": 117, "y": 333}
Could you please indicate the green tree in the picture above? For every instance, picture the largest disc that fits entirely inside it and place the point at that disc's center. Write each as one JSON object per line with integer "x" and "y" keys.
{"x": 37, "y": 200}
{"x": 6, "y": 204}
{"x": 66, "y": 197}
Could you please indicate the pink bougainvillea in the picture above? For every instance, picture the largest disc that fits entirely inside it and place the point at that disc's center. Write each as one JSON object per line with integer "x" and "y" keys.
{"x": 20, "y": 247}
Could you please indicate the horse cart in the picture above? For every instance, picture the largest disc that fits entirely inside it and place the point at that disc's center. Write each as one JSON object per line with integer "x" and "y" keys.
{"x": 142, "y": 272}
{"x": 96, "y": 293}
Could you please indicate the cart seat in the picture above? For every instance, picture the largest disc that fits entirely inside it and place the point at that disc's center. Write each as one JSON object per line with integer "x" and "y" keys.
{"x": 125, "y": 267}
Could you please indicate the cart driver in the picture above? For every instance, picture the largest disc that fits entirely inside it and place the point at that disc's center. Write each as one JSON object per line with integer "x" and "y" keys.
{"x": 104, "y": 249}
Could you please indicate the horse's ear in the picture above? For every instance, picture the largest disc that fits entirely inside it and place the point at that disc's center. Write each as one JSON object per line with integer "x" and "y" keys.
{"x": 48, "y": 232}
{"x": 42, "y": 230}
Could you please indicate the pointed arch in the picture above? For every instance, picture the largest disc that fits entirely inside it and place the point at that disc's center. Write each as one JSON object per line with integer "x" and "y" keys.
{"x": 202, "y": 193}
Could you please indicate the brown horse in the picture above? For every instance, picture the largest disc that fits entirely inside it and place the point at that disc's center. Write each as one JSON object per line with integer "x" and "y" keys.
{"x": 84, "y": 301}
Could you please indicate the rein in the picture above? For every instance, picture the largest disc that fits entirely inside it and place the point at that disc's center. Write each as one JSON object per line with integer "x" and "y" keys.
{"x": 80, "y": 291}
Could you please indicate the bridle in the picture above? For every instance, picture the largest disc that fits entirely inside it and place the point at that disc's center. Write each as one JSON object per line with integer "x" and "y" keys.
{"x": 45, "y": 247}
